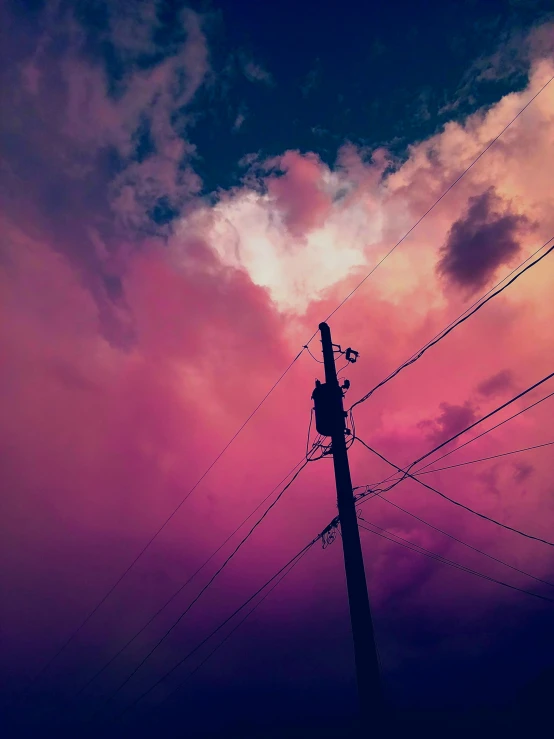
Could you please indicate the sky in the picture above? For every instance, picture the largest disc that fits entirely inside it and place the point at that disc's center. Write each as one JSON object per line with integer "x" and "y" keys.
{"x": 186, "y": 191}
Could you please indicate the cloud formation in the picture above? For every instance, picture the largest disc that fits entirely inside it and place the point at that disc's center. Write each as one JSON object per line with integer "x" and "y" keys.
{"x": 497, "y": 384}
{"x": 101, "y": 163}
{"x": 135, "y": 345}
{"x": 451, "y": 420}
{"x": 486, "y": 238}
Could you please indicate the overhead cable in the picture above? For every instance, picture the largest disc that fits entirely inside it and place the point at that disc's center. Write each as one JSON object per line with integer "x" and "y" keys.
{"x": 206, "y": 586}
{"x": 457, "y": 503}
{"x": 74, "y": 634}
{"x": 466, "y": 443}
{"x": 105, "y": 597}
{"x": 444, "y": 560}
{"x": 465, "y": 543}
{"x": 437, "y": 201}
{"x": 452, "y": 326}
{"x": 183, "y": 586}
{"x": 234, "y": 629}
{"x": 215, "y": 631}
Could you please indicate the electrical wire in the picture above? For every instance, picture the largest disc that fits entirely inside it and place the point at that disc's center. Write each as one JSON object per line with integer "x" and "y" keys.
{"x": 471, "y": 461}
{"x": 486, "y": 459}
{"x": 212, "y": 633}
{"x": 453, "y": 326}
{"x": 307, "y": 348}
{"x": 484, "y": 433}
{"x": 444, "y": 560}
{"x": 153, "y": 537}
{"x": 466, "y": 310}
{"x": 309, "y": 430}
{"x": 437, "y": 201}
{"x": 203, "y": 590}
{"x": 457, "y": 503}
{"x": 465, "y": 544}
{"x": 466, "y": 443}
{"x": 233, "y": 630}
{"x": 184, "y": 585}
{"x": 476, "y": 423}
{"x": 168, "y": 519}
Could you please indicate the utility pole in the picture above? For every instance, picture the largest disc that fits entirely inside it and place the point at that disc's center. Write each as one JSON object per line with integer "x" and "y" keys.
{"x": 330, "y": 421}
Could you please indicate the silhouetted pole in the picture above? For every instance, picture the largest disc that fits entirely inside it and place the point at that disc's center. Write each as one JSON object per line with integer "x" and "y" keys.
{"x": 332, "y": 423}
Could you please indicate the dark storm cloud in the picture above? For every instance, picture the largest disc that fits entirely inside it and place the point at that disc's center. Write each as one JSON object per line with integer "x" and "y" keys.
{"x": 92, "y": 139}
{"x": 451, "y": 420}
{"x": 486, "y": 237}
{"x": 496, "y": 384}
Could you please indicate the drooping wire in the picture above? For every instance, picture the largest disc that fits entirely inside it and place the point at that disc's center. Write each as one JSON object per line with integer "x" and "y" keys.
{"x": 203, "y": 590}
{"x": 100, "y": 603}
{"x": 466, "y": 443}
{"x": 455, "y": 502}
{"x": 474, "y": 424}
{"x": 307, "y": 348}
{"x": 123, "y": 575}
{"x": 452, "y": 326}
{"x": 344, "y": 366}
{"x": 464, "y": 543}
{"x": 444, "y": 560}
{"x": 437, "y": 201}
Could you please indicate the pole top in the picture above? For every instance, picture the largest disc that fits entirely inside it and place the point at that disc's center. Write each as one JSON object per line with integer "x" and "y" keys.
{"x": 323, "y": 326}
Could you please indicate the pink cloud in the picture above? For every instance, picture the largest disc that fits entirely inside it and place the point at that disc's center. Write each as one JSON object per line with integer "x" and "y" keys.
{"x": 299, "y": 192}
{"x": 129, "y": 362}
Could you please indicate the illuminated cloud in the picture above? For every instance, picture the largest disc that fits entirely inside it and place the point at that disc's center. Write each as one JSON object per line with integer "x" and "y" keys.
{"x": 142, "y": 322}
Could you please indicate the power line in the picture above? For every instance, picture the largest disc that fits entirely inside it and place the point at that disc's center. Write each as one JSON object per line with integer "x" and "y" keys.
{"x": 221, "y": 625}
{"x": 453, "y": 184}
{"x": 206, "y": 562}
{"x": 444, "y": 560}
{"x": 457, "y": 449}
{"x": 156, "y": 534}
{"x": 464, "y": 543}
{"x": 235, "y": 628}
{"x": 182, "y": 587}
{"x": 452, "y": 326}
{"x": 486, "y": 459}
{"x": 307, "y": 348}
{"x": 470, "y": 461}
{"x": 455, "y": 502}
{"x": 483, "y": 418}
{"x": 484, "y": 433}
{"x": 240, "y": 429}
{"x": 203, "y": 590}
{"x": 169, "y": 518}
{"x": 462, "y": 314}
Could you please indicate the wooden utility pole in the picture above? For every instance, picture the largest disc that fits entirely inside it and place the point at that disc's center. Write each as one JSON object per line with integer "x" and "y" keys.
{"x": 330, "y": 421}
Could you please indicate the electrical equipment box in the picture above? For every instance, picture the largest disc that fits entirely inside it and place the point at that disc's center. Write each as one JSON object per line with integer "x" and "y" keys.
{"x": 327, "y": 408}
